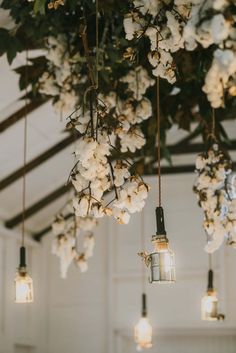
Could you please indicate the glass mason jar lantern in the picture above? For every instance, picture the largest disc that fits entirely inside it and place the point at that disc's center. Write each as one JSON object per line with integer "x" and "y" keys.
{"x": 143, "y": 329}
{"x": 23, "y": 282}
{"x": 162, "y": 263}
{"x": 209, "y": 304}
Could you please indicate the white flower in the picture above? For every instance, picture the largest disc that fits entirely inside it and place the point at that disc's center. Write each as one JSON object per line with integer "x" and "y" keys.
{"x": 47, "y": 85}
{"x": 150, "y": 6}
{"x": 131, "y": 140}
{"x": 58, "y": 225}
{"x": 89, "y": 244}
{"x": 63, "y": 247}
{"x": 132, "y": 197}
{"x": 138, "y": 81}
{"x": 67, "y": 102}
{"x": 131, "y": 27}
{"x": 97, "y": 210}
{"x": 79, "y": 182}
{"x": 144, "y": 110}
{"x": 163, "y": 63}
{"x": 121, "y": 216}
{"x": 86, "y": 223}
{"x": 82, "y": 205}
{"x": 82, "y": 263}
{"x": 121, "y": 173}
{"x": 223, "y": 66}
{"x": 200, "y": 162}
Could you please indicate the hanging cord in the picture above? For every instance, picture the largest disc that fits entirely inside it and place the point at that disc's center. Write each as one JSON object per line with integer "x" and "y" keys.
{"x": 210, "y": 261}
{"x": 213, "y": 127}
{"x": 158, "y": 139}
{"x": 158, "y": 129}
{"x": 143, "y": 247}
{"x": 24, "y": 153}
{"x": 97, "y": 46}
{"x": 211, "y": 135}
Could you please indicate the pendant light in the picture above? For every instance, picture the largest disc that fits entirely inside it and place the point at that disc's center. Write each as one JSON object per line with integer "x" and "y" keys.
{"x": 209, "y": 304}
{"x": 23, "y": 282}
{"x": 143, "y": 329}
{"x": 161, "y": 261}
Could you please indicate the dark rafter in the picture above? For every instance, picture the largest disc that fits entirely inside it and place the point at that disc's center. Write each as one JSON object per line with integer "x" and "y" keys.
{"x": 181, "y": 169}
{"x": 19, "y": 114}
{"x": 38, "y": 206}
{"x": 14, "y": 221}
{"x": 180, "y": 148}
{"x": 11, "y": 178}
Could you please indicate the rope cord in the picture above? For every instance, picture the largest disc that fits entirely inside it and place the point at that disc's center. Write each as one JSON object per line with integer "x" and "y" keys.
{"x": 210, "y": 261}
{"x": 97, "y": 45}
{"x": 143, "y": 247}
{"x": 158, "y": 139}
{"x": 24, "y": 153}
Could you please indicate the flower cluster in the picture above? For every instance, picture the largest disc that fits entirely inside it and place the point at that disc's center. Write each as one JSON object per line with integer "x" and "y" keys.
{"x": 217, "y": 78}
{"x": 171, "y": 26}
{"x": 163, "y": 23}
{"x": 111, "y": 125}
{"x": 95, "y": 174}
{"x": 62, "y": 75}
{"x": 213, "y": 169}
{"x": 210, "y": 23}
{"x": 66, "y": 241}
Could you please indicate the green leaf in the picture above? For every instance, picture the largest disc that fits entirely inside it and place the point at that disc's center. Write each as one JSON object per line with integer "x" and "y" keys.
{"x": 39, "y": 6}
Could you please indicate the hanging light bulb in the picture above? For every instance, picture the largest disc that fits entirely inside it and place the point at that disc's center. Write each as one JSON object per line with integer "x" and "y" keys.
{"x": 23, "y": 282}
{"x": 161, "y": 261}
{"x": 143, "y": 329}
{"x": 209, "y": 304}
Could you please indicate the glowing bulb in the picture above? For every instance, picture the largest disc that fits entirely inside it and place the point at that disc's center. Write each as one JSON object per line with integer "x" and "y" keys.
{"x": 209, "y": 306}
{"x": 162, "y": 262}
{"x": 143, "y": 333}
{"x": 23, "y": 288}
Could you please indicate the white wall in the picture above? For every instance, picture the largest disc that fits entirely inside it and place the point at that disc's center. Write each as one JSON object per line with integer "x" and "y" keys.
{"x": 96, "y": 311}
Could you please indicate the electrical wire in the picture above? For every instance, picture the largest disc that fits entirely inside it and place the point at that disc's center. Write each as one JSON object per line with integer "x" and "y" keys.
{"x": 97, "y": 44}
{"x": 24, "y": 152}
{"x": 158, "y": 139}
{"x": 143, "y": 247}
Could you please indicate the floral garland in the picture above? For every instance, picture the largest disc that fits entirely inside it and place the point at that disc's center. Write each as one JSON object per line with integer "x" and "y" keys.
{"x": 212, "y": 23}
{"x": 163, "y": 24}
{"x": 112, "y": 123}
{"x": 62, "y": 79}
{"x": 185, "y": 24}
{"x": 213, "y": 169}
{"x": 65, "y": 243}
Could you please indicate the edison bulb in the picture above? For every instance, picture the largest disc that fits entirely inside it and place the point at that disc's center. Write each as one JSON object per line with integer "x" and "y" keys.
{"x": 209, "y": 306}
{"x": 143, "y": 334}
{"x": 162, "y": 262}
{"x": 23, "y": 288}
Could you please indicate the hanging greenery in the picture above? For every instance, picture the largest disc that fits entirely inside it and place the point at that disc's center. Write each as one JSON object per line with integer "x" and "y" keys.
{"x": 191, "y": 45}
{"x": 213, "y": 168}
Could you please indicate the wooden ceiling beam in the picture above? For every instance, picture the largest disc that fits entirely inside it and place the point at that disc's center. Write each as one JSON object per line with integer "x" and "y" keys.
{"x": 197, "y": 148}
{"x": 181, "y": 169}
{"x": 38, "y": 206}
{"x": 19, "y": 114}
{"x": 36, "y": 162}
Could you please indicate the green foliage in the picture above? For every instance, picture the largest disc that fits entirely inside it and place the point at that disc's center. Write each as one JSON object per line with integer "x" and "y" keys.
{"x": 35, "y": 22}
